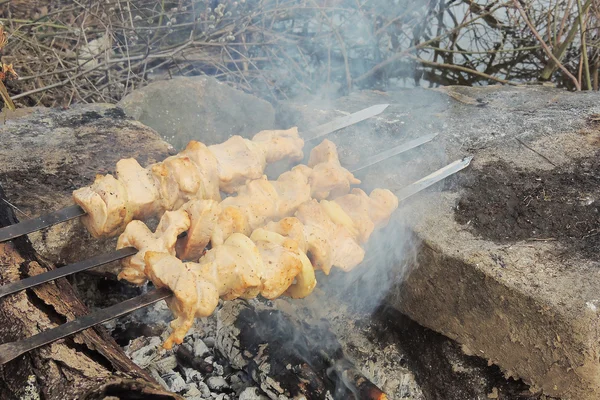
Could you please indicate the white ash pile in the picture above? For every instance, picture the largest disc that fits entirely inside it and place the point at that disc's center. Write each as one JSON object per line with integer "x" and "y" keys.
{"x": 217, "y": 360}
{"x": 195, "y": 370}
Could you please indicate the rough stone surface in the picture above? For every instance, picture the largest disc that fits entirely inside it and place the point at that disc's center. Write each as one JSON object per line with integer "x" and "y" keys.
{"x": 528, "y": 305}
{"x": 199, "y": 108}
{"x": 48, "y": 153}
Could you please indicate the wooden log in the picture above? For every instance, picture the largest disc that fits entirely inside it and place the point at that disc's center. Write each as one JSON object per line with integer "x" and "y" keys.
{"x": 289, "y": 358}
{"x": 88, "y": 365}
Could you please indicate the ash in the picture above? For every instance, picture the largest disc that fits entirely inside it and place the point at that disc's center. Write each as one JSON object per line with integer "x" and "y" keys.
{"x": 201, "y": 368}
{"x": 194, "y": 369}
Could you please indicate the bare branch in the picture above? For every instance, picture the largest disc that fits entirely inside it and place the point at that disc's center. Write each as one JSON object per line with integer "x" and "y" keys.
{"x": 544, "y": 45}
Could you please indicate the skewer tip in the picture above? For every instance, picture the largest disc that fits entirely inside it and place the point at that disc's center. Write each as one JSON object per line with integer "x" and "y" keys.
{"x": 467, "y": 160}
{"x": 380, "y": 107}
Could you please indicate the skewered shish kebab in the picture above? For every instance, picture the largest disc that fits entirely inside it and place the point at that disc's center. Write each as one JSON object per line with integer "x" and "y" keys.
{"x": 275, "y": 259}
{"x": 9, "y": 351}
{"x": 265, "y": 259}
{"x": 138, "y": 193}
{"x": 201, "y": 212}
{"x": 260, "y": 200}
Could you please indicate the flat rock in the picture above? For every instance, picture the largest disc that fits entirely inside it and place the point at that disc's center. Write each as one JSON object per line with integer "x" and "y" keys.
{"x": 507, "y": 251}
{"x": 48, "y": 153}
{"x": 198, "y": 108}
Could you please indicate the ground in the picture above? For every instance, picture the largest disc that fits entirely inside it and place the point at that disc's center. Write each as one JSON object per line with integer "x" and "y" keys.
{"x": 505, "y": 204}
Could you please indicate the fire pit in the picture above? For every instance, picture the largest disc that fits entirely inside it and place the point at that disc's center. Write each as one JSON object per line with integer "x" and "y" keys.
{"x": 326, "y": 371}
{"x": 329, "y": 345}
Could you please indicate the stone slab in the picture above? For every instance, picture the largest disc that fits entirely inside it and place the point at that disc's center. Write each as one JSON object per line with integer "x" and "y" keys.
{"x": 45, "y": 154}
{"x": 198, "y": 108}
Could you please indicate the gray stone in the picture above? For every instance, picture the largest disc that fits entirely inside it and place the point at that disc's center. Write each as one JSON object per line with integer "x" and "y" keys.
{"x": 198, "y": 108}
{"x": 48, "y": 153}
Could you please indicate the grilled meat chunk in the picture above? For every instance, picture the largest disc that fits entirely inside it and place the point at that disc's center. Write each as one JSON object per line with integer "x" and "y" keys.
{"x": 198, "y": 172}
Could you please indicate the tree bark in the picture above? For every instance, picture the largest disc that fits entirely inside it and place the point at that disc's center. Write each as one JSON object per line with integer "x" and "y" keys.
{"x": 87, "y": 365}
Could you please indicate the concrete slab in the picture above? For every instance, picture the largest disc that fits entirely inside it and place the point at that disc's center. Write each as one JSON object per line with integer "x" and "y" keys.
{"x": 530, "y": 306}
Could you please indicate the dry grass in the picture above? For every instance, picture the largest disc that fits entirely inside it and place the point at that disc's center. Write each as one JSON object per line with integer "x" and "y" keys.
{"x": 70, "y": 51}
{"x": 99, "y": 51}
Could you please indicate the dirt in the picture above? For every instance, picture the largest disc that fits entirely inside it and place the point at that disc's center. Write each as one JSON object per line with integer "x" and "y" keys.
{"x": 507, "y": 204}
{"x": 442, "y": 370}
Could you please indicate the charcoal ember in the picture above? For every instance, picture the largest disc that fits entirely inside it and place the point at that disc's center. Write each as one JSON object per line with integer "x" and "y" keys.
{"x": 204, "y": 389}
{"x": 187, "y": 359}
{"x": 217, "y": 383}
{"x": 191, "y": 375}
{"x": 289, "y": 358}
{"x": 192, "y": 393}
{"x": 252, "y": 393}
{"x": 218, "y": 369}
{"x": 145, "y": 351}
{"x": 166, "y": 364}
{"x": 159, "y": 378}
{"x": 227, "y": 341}
{"x": 200, "y": 348}
{"x": 240, "y": 381}
{"x": 175, "y": 382}
{"x": 209, "y": 341}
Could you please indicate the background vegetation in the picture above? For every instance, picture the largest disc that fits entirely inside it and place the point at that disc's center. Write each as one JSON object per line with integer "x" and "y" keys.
{"x": 70, "y": 51}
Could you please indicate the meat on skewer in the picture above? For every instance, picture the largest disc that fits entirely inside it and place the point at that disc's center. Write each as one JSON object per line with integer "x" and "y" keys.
{"x": 272, "y": 261}
{"x": 259, "y": 201}
{"x": 198, "y": 172}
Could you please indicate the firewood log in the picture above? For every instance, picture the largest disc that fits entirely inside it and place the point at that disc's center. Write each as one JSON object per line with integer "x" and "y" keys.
{"x": 88, "y": 365}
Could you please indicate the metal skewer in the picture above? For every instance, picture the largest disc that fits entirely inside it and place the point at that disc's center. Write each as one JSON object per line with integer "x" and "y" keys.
{"x": 67, "y": 270}
{"x": 71, "y": 212}
{"x": 44, "y": 277}
{"x": 11, "y": 350}
{"x": 343, "y": 122}
{"x": 394, "y": 151}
